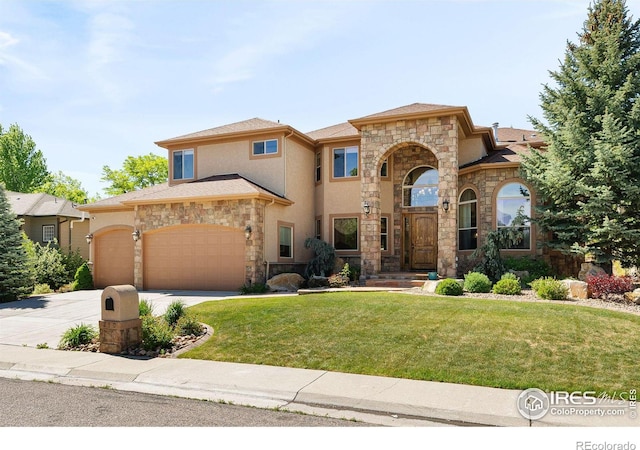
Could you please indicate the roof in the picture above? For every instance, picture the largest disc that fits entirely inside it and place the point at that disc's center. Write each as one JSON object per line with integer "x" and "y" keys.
{"x": 339, "y": 131}
{"x": 509, "y": 135}
{"x": 218, "y": 187}
{"x": 41, "y": 205}
{"x": 245, "y": 127}
{"x": 412, "y": 109}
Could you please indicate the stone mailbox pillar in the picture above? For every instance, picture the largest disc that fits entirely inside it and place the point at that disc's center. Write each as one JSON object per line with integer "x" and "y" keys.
{"x": 121, "y": 326}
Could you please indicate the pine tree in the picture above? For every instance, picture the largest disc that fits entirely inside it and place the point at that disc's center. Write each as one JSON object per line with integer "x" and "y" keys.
{"x": 588, "y": 177}
{"x": 15, "y": 276}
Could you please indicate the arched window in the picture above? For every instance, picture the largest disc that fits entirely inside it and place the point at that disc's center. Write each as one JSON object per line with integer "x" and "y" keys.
{"x": 421, "y": 187}
{"x": 513, "y": 198}
{"x": 468, "y": 220}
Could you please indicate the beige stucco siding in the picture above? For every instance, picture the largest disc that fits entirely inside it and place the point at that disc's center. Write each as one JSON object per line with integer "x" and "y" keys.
{"x": 101, "y": 220}
{"x": 236, "y": 157}
{"x": 471, "y": 150}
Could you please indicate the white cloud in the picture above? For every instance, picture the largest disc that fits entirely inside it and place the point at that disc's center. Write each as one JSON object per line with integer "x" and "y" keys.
{"x": 23, "y": 67}
{"x": 6, "y": 40}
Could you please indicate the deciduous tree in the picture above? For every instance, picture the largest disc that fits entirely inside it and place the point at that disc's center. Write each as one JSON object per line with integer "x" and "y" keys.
{"x": 137, "y": 172}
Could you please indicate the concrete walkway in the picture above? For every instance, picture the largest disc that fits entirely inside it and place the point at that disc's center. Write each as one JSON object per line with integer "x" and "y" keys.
{"x": 385, "y": 401}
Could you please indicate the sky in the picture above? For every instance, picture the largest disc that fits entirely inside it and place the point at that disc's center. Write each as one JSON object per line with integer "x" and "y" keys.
{"x": 93, "y": 82}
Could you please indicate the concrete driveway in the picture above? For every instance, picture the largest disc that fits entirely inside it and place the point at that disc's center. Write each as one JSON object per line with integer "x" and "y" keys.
{"x": 44, "y": 319}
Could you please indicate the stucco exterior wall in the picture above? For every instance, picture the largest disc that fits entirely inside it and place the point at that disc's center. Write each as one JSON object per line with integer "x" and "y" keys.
{"x": 471, "y": 149}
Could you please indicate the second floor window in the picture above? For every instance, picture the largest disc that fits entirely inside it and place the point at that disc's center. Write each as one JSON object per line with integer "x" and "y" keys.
{"x": 183, "y": 165}
{"x": 345, "y": 162}
{"x": 269, "y": 147}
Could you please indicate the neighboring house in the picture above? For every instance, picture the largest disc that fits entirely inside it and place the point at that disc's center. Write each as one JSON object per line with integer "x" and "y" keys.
{"x": 46, "y": 218}
{"x": 415, "y": 188}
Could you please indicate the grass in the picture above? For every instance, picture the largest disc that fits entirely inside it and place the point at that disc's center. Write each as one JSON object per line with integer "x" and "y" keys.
{"x": 495, "y": 343}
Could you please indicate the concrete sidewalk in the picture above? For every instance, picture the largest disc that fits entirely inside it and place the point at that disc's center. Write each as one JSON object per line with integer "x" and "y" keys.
{"x": 386, "y": 401}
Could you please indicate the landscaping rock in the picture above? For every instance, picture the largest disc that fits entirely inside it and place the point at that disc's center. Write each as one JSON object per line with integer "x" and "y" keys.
{"x": 633, "y": 296}
{"x": 577, "y": 289}
{"x": 285, "y": 282}
{"x": 430, "y": 286}
{"x": 590, "y": 269}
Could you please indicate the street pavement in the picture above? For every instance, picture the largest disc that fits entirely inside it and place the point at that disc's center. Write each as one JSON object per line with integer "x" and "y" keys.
{"x": 27, "y": 324}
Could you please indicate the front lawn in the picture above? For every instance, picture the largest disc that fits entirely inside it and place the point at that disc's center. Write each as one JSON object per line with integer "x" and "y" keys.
{"x": 459, "y": 340}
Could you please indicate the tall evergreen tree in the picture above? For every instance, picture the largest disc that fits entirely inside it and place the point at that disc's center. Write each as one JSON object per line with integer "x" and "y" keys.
{"x": 15, "y": 276}
{"x": 588, "y": 177}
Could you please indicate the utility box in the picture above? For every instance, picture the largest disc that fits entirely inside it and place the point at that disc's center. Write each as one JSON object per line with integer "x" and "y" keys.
{"x": 121, "y": 326}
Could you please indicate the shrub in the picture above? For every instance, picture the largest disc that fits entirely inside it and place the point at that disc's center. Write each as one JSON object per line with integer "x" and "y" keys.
{"x": 145, "y": 308}
{"x": 77, "y": 336}
{"x": 507, "y": 286}
{"x": 604, "y": 285}
{"x": 509, "y": 276}
{"x": 174, "y": 312}
{"x": 549, "y": 288}
{"x": 83, "y": 279}
{"x": 42, "y": 289}
{"x": 324, "y": 259}
{"x": 254, "y": 288}
{"x": 477, "y": 282}
{"x": 156, "y": 333}
{"x": 49, "y": 266}
{"x": 537, "y": 268}
{"x": 72, "y": 262}
{"x": 449, "y": 286}
{"x": 188, "y": 325}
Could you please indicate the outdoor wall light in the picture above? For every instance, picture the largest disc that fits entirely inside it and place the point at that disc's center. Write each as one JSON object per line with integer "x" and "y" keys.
{"x": 445, "y": 204}
{"x": 367, "y": 208}
{"x": 136, "y": 235}
{"x": 247, "y": 232}
{"x": 89, "y": 238}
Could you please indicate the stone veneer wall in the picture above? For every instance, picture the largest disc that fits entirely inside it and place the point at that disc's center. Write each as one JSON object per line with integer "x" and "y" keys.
{"x": 228, "y": 213}
{"x": 438, "y": 135}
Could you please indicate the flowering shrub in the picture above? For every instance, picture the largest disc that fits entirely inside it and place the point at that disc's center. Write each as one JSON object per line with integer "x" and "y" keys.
{"x": 604, "y": 285}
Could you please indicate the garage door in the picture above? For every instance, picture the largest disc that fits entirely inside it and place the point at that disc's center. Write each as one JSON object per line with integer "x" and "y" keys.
{"x": 194, "y": 257}
{"x": 113, "y": 261}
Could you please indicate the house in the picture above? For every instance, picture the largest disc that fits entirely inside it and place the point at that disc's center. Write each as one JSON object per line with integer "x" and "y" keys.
{"x": 416, "y": 188}
{"x": 46, "y": 218}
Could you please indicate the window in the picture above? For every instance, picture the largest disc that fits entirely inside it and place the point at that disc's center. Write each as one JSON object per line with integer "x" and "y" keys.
{"x": 513, "y": 198}
{"x": 319, "y": 229}
{"x": 345, "y": 162}
{"x": 468, "y": 220}
{"x": 318, "y": 167}
{"x": 384, "y": 169}
{"x": 183, "y": 165}
{"x": 345, "y": 233}
{"x": 48, "y": 233}
{"x": 384, "y": 234}
{"x": 285, "y": 241}
{"x": 269, "y": 147}
{"x": 421, "y": 187}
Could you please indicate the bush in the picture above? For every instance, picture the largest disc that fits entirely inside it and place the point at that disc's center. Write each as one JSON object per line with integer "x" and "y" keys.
{"x": 156, "y": 333}
{"x": 83, "y": 279}
{"x": 604, "y": 285}
{"x": 507, "y": 286}
{"x": 254, "y": 288}
{"x": 77, "y": 336}
{"x": 72, "y": 262}
{"x": 145, "y": 308}
{"x": 324, "y": 259}
{"x": 537, "y": 268}
{"x": 188, "y": 325}
{"x": 48, "y": 265}
{"x": 174, "y": 312}
{"x": 42, "y": 289}
{"x": 449, "y": 286}
{"x": 550, "y": 289}
{"x": 477, "y": 282}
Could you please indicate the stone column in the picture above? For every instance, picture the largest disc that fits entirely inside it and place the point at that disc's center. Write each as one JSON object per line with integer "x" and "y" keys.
{"x": 370, "y": 253}
{"x": 138, "y": 280}
{"x": 448, "y": 190}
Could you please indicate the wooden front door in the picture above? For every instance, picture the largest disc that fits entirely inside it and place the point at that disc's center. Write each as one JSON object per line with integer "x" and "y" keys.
{"x": 424, "y": 241}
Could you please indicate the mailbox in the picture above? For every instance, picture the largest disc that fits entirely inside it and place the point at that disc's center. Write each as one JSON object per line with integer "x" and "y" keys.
{"x": 120, "y": 327}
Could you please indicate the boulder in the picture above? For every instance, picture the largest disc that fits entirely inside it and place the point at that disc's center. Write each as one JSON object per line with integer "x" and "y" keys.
{"x": 430, "y": 286}
{"x": 633, "y": 296}
{"x": 577, "y": 289}
{"x": 285, "y": 282}
{"x": 589, "y": 269}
